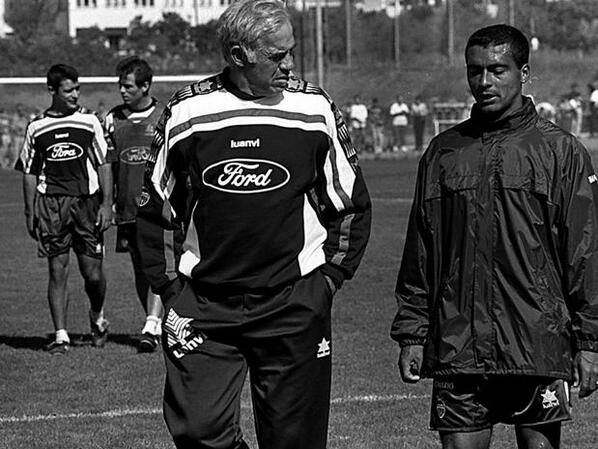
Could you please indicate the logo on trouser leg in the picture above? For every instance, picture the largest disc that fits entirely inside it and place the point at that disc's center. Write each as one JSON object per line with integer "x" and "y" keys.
{"x": 440, "y": 409}
{"x": 323, "y": 348}
{"x": 549, "y": 399}
{"x": 181, "y": 337}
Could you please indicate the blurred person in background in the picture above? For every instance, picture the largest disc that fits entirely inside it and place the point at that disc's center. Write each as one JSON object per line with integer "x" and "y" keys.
{"x": 498, "y": 287}
{"x": 419, "y": 114}
{"x": 258, "y": 213}
{"x": 546, "y": 110}
{"x": 399, "y": 113}
{"x": 129, "y": 129}
{"x": 376, "y": 125}
{"x": 358, "y": 119}
{"x": 67, "y": 187}
{"x": 576, "y": 104}
{"x": 593, "y": 105}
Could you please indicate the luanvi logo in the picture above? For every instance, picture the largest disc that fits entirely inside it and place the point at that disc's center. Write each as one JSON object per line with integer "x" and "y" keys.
{"x": 134, "y": 155}
{"x": 255, "y": 143}
{"x": 64, "y": 151}
{"x": 246, "y": 176}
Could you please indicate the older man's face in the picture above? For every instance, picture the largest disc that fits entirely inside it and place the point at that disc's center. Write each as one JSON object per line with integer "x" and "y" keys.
{"x": 270, "y": 73}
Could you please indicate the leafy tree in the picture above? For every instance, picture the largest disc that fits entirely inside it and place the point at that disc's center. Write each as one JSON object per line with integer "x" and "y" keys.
{"x": 140, "y": 39}
{"x": 570, "y": 25}
{"x": 31, "y": 18}
{"x": 174, "y": 29}
{"x": 206, "y": 45}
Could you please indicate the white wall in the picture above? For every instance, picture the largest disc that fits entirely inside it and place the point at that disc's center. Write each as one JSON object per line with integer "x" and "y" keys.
{"x": 119, "y": 13}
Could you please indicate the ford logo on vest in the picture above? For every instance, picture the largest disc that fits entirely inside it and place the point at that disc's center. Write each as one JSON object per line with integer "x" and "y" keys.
{"x": 246, "y": 176}
{"x": 64, "y": 151}
{"x": 135, "y": 155}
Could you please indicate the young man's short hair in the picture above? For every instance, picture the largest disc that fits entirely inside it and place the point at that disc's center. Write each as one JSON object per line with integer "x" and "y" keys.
{"x": 59, "y": 72}
{"x": 140, "y": 69}
{"x": 502, "y": 34}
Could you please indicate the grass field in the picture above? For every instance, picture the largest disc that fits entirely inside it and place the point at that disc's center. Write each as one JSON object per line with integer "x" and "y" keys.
{"x": 111, "y": 398}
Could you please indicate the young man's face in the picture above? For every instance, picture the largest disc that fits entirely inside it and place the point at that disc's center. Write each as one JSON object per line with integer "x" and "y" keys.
{"x": 494, "y": 79}
{"x": 67, "y": 94}
{"x": 269, "y": 74}
{"x": 132, "y": 94}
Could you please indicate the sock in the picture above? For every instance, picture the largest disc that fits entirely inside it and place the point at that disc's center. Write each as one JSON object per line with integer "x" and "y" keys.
{"x": 62, "y": 336}
{"x": 97, "y": 318}
{"x": 153, "y": 325}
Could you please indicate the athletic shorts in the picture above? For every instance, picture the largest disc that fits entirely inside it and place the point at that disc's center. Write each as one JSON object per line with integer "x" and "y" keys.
{"x": 65, "y": 222}
{"x": 126, "y": 238}
{"x": 468, "y": 403}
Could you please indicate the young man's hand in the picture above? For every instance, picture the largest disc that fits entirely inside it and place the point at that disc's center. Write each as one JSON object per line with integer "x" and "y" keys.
{"x": 104, "y": 219}
{"x": 410, "y": 362}
{"x": 585, "y": 372}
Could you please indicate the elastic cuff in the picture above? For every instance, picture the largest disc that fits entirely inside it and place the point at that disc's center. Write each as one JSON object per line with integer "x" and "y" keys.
{"x": 586, "y": 345}
{"x": 412, "y": 341}
{"x": 333, "y": 273}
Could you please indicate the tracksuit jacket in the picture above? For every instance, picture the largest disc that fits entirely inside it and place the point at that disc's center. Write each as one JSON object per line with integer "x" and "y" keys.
{"x": 250, "y": 194}
{"x": 499, "y": 272}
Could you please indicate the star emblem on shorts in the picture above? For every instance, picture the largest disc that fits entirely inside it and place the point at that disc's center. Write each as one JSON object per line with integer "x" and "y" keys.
{"x": 549, "y": 399}
{"x": 323, "y": 348}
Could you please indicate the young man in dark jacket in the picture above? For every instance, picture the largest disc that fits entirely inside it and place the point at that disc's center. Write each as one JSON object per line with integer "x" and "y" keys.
{"x": 497, "y": 291}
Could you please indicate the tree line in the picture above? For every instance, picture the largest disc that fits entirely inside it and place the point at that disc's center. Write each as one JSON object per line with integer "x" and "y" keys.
{"x": 173, "y": 46}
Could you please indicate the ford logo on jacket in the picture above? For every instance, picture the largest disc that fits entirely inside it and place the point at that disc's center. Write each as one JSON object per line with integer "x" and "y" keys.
{"x": 246, "y": 176}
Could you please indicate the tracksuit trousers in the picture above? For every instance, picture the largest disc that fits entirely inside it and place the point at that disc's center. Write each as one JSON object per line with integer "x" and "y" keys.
{"x": 283, "y": 339}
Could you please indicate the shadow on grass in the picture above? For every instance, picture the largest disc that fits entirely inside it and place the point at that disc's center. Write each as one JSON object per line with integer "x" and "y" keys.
{"x": 37, "y": 343}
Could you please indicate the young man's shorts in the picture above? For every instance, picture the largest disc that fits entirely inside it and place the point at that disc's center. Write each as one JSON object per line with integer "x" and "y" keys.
{"x": 126, "y": 238}
{"x": 468, "y": 403}
{"x": 65, "y": 222}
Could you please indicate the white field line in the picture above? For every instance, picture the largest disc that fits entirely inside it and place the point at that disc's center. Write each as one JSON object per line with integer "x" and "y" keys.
{"x": 11, "y": 205}
{"x": 104, "y": 79}
{"x": 118, "y": 413}
{"x": 376, "y": 200}
{"x": 393, "y": 200}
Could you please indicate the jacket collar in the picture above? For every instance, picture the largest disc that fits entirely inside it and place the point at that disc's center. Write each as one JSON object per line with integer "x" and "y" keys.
{"x": 521, "y": 118}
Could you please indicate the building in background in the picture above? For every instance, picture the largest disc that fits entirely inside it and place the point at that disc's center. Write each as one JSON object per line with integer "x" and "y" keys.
{"x": 114, "y": 16}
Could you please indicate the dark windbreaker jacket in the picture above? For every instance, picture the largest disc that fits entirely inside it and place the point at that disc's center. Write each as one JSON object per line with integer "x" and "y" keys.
{"x": 499, "y": 272}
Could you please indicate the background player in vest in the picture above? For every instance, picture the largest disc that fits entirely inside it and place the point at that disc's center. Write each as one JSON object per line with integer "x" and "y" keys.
{"x": 129, "y": 131}
{"x": 277, "y": 217}
{"x": 67, "y": 186}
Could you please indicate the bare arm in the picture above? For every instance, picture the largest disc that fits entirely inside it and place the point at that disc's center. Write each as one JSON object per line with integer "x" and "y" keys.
{"x": 104, "y": 219}
{"x": 29, "y": 191}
